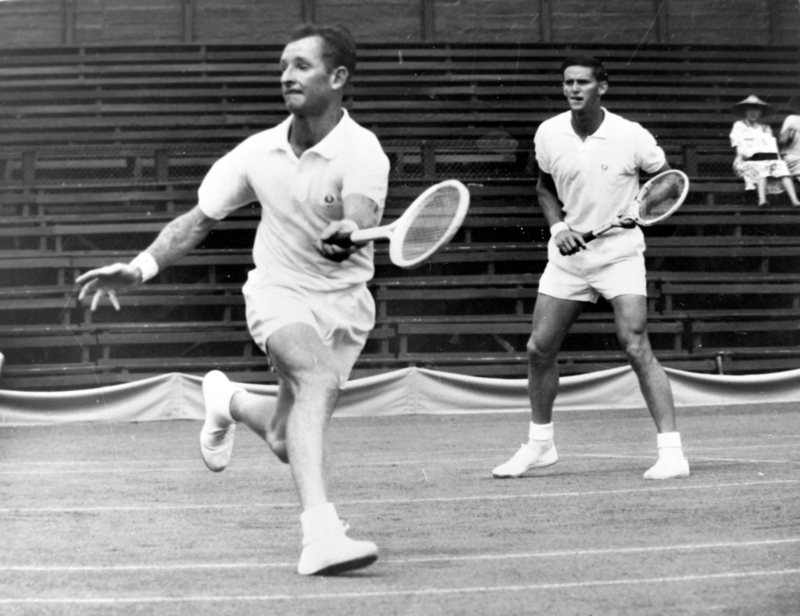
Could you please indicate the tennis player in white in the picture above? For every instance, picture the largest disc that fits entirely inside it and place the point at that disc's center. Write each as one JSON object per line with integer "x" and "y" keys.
{"x": 589, "y": 161}
{"x": 318, "y": 176}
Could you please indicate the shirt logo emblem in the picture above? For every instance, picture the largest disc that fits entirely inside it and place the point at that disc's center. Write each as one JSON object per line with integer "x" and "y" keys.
{"x": 604, "y": 167}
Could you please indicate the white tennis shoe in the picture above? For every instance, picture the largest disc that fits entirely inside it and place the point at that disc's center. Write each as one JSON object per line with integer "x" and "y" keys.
{"x": 533, "y": 454}
{"x": 335, "y": 553}
{"x": 216, "y": 437}
{"x": 674, "y": 466}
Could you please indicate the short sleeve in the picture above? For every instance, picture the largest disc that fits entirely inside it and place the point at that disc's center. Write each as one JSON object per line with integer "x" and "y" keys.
{"x": 649, "y": 156}
{"x": 226, "y": 186}
{"x": 542, "y": 158}
{"x": 367, "y": 172}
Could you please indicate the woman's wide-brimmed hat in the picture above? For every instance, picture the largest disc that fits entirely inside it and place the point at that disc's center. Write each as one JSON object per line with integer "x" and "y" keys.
{"x": 750, "y": 101}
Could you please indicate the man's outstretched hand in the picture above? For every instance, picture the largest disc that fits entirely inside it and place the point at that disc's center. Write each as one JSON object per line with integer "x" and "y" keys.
{"x": 108, "y": 280}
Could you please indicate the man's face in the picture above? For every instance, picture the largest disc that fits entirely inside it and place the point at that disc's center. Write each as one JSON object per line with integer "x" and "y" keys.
{"x": 582, "y": 89}
{"x": 307, "y": 85}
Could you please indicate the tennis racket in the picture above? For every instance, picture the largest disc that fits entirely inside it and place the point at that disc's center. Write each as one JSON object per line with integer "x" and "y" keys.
{"x": 428, "y": 224}
{"x": 658, "y": 199}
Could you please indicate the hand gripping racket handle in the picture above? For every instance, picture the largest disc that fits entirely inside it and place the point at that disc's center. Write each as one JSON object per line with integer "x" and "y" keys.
{"x": 625, "y": 223}
{"x": 361, "y": 236}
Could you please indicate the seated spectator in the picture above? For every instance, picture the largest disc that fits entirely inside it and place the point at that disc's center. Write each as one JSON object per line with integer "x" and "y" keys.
{"x": 789, "y": 138}
{"x": 757, "y": 160}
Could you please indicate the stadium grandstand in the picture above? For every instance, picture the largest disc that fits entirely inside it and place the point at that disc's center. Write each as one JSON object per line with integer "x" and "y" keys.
{"x": 112, "y": 112}
{"x": 110, "y": 115}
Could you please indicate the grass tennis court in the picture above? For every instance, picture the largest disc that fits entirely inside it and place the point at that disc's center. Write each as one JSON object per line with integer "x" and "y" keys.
{"x": 125, "y": 519}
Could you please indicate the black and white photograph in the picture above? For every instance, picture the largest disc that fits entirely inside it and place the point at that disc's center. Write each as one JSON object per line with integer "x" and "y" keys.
{"x": 399, "y": 307}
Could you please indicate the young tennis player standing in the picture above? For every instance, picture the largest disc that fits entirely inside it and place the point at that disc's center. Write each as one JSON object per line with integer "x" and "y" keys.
{"x": 318, "y": 176}
{"x": 589, "y": 161}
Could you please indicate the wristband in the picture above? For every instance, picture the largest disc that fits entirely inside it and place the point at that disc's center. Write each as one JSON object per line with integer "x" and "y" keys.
{"x": 147, "y": 264}
{"x": 558, "y": 228}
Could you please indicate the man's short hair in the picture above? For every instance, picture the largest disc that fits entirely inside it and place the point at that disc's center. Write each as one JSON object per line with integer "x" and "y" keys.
{"x": 339, "y": 46}
{"x": 598, "y": 69}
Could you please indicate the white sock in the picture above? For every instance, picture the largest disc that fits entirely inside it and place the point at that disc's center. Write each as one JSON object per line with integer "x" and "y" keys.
{"x": 669, "y": 444}
{"x": 320, "y": 521}
{"x": 540, "y": 432}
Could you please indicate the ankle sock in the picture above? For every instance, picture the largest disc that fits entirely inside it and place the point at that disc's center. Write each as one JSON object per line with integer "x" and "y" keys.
{"x": 669, "y": 443}
{"x": 320, "y": 521}
{"x": 540, "y": 432}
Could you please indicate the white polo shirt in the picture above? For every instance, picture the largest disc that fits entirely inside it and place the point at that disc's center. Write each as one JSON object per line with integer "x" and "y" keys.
{"x": 299, "y": 197}
{"x": 599, "y": 177}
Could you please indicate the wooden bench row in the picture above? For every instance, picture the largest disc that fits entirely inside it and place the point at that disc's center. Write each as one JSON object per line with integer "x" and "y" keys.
{"x": 471, "y": 300}
{"x": 386, "y": 62}
{"x": 228, "y": 93}
{"x": 504, "y": 359}
{"x": 488, "y": 52}
{"x": 751, "y": 253}
{"x": 624, "y": 53}
{"x": 447, "y": 121}
{"x": 497, "y": 158}
{"x": 502, "y": 304}
{"x": 64, "y": 232}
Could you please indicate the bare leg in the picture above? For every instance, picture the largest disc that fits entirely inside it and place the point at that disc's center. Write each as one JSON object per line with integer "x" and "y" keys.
{"x": 310, "y": 389}
{"x": 552, "y": 318}
{"x": 266, "y": 419}
{"x": 295, "y": 428}
{"x": 761, "y": 187}
{"x": 630, "y": 314}
{"x": 788, "y": 184}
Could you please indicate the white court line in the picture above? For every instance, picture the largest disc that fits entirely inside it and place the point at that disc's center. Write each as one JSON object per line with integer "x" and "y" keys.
{"x": 240, "y": 467}
{"x": 689, "y": 455}
{"x": 742, "y": 460}
{"x": 728, "y": 575}
{"x": 405, "y": 561}
{"x": 405, "y": 501}
{"x": 265, "y": 463}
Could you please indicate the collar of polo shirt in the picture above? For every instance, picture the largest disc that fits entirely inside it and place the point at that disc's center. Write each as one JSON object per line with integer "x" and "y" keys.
{"x": 329, "y": 147}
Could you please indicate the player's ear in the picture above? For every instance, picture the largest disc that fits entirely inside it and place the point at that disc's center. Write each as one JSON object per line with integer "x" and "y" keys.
{"x": 339, "y": 77}
{"x": 603, "y": 87}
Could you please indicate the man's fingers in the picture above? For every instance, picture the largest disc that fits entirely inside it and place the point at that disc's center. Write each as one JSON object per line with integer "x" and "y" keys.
{"x": 84, "y": 290}
{"x": 96, "y": 299}
{"x": 112, "y": 297}
{"x": 89, "y": 276}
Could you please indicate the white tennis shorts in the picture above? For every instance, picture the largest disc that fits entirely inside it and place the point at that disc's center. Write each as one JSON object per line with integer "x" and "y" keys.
{"x": 610, "y": 266}
{"x": 342, "y": 319}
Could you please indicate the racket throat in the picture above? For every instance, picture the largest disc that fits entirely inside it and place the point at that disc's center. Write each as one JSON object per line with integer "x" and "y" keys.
{"x": 362, "y": 236}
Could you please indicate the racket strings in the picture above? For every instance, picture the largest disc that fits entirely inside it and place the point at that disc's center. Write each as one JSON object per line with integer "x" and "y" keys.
{"x": 663, "y": 196}
{"x": 432, "y": 223}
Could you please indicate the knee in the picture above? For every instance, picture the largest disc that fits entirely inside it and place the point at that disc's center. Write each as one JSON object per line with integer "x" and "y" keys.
{"x": 312, "y": 374}
{"x": 539, "y": 354}
{"x": 638, "y": 352}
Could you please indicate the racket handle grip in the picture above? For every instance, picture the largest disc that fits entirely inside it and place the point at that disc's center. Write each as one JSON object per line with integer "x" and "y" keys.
{"x": 343, "y": 241}
{"x": 588, "y": 236}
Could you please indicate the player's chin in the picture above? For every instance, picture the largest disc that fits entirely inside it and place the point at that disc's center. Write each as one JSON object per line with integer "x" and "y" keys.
{"x": 294, "y": 104}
